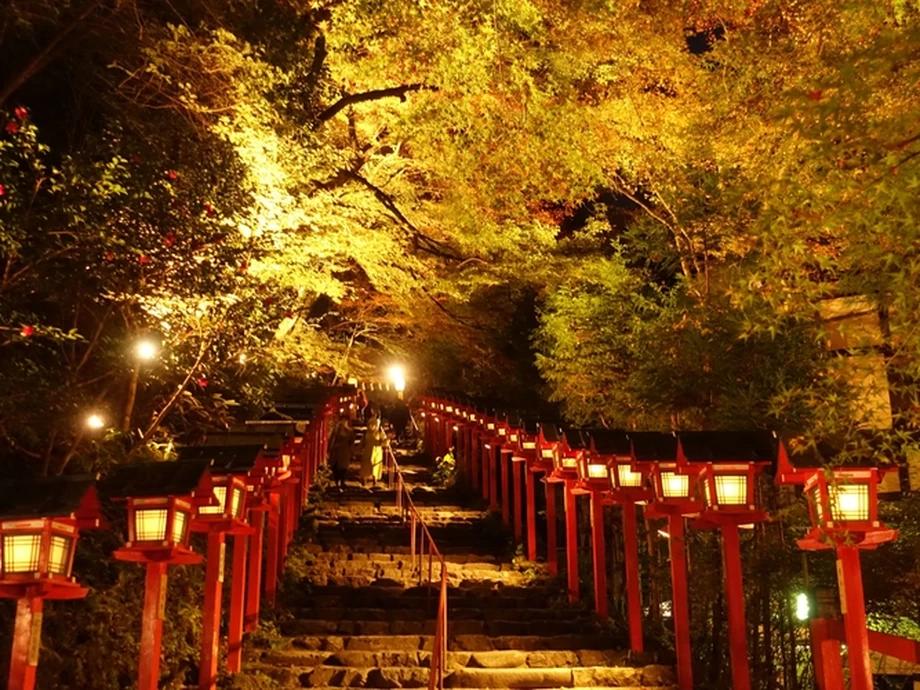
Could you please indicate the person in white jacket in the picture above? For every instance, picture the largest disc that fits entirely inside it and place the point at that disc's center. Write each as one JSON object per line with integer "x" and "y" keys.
{"x": 375, "y": 440}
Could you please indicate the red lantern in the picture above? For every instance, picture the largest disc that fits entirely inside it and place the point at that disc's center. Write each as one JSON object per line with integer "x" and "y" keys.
{"x": 40, "y": 522}
{"x": 161, "y": 498}
{"x": 841, "y": 484}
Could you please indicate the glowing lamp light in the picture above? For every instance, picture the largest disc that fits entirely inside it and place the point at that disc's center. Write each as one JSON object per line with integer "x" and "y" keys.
{"x": 145, "y": 350}
{"x": 456, "y": 428}
{"x": 625, "y": 477}
{"x": 802, "y": 606}
{"x": 95, "y": 421}
{"x": 673, "y": 485}
{"x": 597, "y": 471}
{"x": 36, "y": 549}
{"x": 161, "y": 522}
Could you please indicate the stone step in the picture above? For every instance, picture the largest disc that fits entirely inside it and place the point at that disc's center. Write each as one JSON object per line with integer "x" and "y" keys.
{"x": 384, "y": 557}
{"x": 456, "y": 601}
{"x": 342, "y": 546}
{"x": 487, "y": 659}
{"x": 417, "y": 677}
{"x": 490, "y": 628}
{"x": 458, "y": 643}
{"x": 422, "y": 613}
{"x": 536, "y": 592}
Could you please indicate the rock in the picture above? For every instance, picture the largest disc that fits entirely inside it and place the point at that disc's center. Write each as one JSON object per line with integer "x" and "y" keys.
{"x": 510, "y": 678}
{"x": 553, "y": 659}
{"x": 502, "y": 659}
{"x": 471, "y": 643}
{"x": 373, "y": 643}
{"x": 606, "y": 676}
{"x": 657, "y": 675}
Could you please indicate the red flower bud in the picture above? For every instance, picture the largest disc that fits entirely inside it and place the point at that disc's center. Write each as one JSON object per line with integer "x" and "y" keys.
{"x": 289, "y": 314}
{"x": 26, "y": 331}
{"x": 815, "y": 95}
{"x": 244, "y": 267}
{"x": 170, "y": 239}
{"x": 143, "y": 259}
{"x": 12, "y": 126}
{"x": 2, "y": 190}
{"x": 172, "y": 175}
{"x": 208, "y": 208}
{"x": 109, "y": 256}
{"x": 202, "y": 382}
{"x": 21, "y": 113}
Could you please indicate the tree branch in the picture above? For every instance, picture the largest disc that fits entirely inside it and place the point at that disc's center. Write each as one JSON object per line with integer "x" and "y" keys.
{"x": 375, "y": 95}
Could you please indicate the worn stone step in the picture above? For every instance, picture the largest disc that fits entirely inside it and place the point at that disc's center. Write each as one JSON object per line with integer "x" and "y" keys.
{"x": 457, "y": 643}
{"x": 457, "y": 602}
{"x": 482, "y": 659}
{"x": 465, "y": 677}
{"x": 492, "y": 628}
{"x": 427, "y": 612}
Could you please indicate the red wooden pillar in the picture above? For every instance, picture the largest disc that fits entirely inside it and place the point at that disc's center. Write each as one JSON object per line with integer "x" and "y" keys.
{"x": 271, "y": 558}
{"x": 148, "y": 672}
{"x": 599, "y": 552}
{"x": 283, "y": 501}
{"x": 531, "y": 514}
{"x": 853, "y": 607}
{"x": 237, "y": 604}
{"x": 680, "y": 607}
{"x": 486, "y": 453}
{"x": 518, "y": 508}
{"x": 474, "y": 459}
{"x": 827, "y": 656}
{"x": 504, "y": 457}
{"x": 210, "y": 622}
{"x": 254, "y": 576}
{"x": 633, "y": 591}
{"x": 494, "y": 454}
{"x": 571, "y": 541}
{"x": 27, "y": 634}
{"x": 734, "y": 597}
{"x": 552, "y": 549}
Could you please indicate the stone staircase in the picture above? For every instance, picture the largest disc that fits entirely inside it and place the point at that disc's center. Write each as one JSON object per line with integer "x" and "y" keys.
{"x": 364, "y": 620}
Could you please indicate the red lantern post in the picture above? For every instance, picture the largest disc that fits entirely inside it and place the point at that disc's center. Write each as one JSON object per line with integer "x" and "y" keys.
{"x": 573, "y": 445}
{"x": 518, "y": 461}
{"x": 629, "y": 488}
{"x": 161, "y": 499}
{"x": 841, "y": 484}
{"x": 529, "y": 439}
{"x": 675, "y": 497}
{"x": 549, "y": 445}
{"x": 40, "y": 523}
{"x": 594, "y": 480}
{"x": 727, "y": 464}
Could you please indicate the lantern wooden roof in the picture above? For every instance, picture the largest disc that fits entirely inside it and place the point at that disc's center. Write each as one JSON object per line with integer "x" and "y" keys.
{"x": 610, "y": 442}
{"x": 866, "y": 449}
{"x": 52, "y": 497}
{"x": 653, "y": 446}
{"x": 576, "y": 440}
{"x": 224, "y": 459}
{"x": 758, "y": 447}
{"x": 551, "y": 432}
{"x": 268, "y": 440}
{"x": 156, "y": 479}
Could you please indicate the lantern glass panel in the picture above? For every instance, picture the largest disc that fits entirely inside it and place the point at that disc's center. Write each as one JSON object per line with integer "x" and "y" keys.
{"x": 627, "y": 478}
{"x": 150, "y": 524}
{"x": 237, "y": 502}
{"x": 59, "y": 555}
{"x": 850, "y": 502}
{"x": 674, "y": 485}
{"x": 819, "y": 505}
{"x": 180, "y": 521}
{"x": 731, "y": 489}
{"x": 569, "y": 463}
{"x": 220, "y": 493}
{"x": 20, "y": 552}
{"x": 597, "y": 471}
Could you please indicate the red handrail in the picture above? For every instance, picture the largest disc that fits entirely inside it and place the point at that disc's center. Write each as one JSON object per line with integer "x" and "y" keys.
{"x": 419, "y": 537}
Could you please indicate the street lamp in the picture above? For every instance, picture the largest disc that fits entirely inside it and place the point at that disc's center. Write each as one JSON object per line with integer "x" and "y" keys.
{"x": 146, "y": 349}
{"x": 841, "y": 483}
{"x": 40, "y": 522}
{"x": 594, "y": 480}
{"x": 95, "y": 421}
{"x": 397, "y": 375}
{"x": 161, "y": 498}
{"x": 727, "y": 464}
{"x": 629, "y": 487}
{"x": 656, "y": 454}
{"x": 573, "y": 447}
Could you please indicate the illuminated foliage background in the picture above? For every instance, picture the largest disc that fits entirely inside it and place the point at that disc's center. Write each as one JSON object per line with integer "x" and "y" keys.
{"x": 635, "y": 210}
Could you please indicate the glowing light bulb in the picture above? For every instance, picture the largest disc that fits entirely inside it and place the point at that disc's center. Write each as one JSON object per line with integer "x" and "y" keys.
{"x": 146, "y": 349}
{"x": 95, "y": 421}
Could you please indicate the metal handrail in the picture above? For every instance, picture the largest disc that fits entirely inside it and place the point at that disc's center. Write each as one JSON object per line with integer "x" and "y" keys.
{"x": 419, "y": 537}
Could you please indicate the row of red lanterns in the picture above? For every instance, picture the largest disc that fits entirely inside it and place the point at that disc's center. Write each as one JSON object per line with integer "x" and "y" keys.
{"x": 708, "y": 476}
{"x": 250, "y": 483}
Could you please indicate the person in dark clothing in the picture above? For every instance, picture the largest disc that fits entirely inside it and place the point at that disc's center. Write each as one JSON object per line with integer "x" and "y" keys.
{"x": 341, "y": 448}
{"x": 399, "y": 417}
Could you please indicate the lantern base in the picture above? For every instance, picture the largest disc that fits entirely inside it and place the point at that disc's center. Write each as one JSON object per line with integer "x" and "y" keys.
{"x": 669, "y": 507}
{"x": 176, "y": 554}
{"x": 712, "y": 519}
{"x": 209, "y": 525}
{"x": 44, "y": 589}
{"x": 819, "y": 539}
